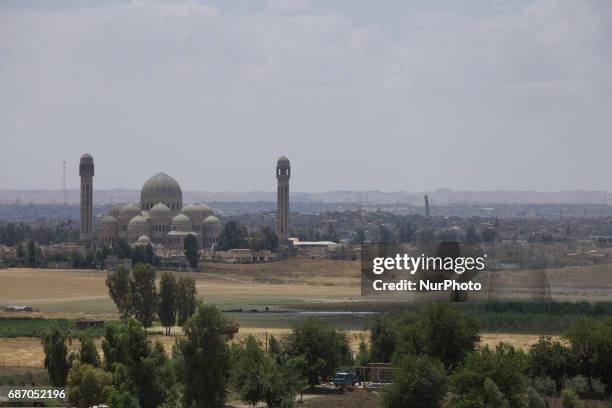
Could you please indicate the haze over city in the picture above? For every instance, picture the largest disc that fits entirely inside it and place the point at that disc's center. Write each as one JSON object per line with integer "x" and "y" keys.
{"x": 415, "y": 96}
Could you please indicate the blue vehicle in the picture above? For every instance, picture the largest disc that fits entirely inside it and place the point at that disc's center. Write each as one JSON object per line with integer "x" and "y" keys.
{"x": 344, "y": 379}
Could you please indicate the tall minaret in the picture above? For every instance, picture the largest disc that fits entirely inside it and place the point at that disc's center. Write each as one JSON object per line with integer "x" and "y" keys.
{"x": 86, "y": 171}
{"x": 283, "y": 172}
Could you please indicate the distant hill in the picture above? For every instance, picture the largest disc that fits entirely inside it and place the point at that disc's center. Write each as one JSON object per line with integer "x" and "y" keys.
{"x": 436, "y": 197}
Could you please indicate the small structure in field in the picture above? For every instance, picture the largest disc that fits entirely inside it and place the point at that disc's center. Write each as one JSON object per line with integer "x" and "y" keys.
{"x": 88, "y": 324}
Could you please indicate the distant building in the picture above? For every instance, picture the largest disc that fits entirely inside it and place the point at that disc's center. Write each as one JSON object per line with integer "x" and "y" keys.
{"x": 160, "y": 219}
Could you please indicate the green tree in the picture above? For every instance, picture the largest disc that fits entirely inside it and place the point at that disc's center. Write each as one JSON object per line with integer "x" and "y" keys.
{"x": 322, "y": 346}
{"x": 359, "y": 236}
{"x": 383, "y": 335}
{"x": 582, "y": 337}
{"x": 167, "y": 301}
{"x": 140, "y": 368}
{"x": 119, "y": 285}
{"x": 143, "y": 254}
{"x": 450, "y": 333}
{"x": 185, "y": 299}
{"x": 603, "y": 353}
{"x": 405, "y": 232}
{"x": 205, "y": 346}
{"x": 57, "y": 361}
{"x": 233, "y": 236}
{"x": 190, "y": 248}
{"x": 144, "y": 293}
{"x": 32, "y": 254}
{"x": 569, "y": 399}
{"x": 21, "y": 253}
{"x": 385, "y": 234}
{"x": 363, "y": 355}
{"x": 549, "y": 358}
{"x": 330, "y": 233}
{"x": 281, "y": 382}
{"x": 419, "y": 382}
{"x": 264, "y": 240}
{"x": 505, "y": 367}
{"x": 89, "y": 353}
{"x": 88, "y": 385}
{"x": 247, "y": 371}
{"x": 122, "y": 249}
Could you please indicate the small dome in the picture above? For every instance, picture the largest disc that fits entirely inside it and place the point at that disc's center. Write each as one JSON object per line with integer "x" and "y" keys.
{"x": 143, "y": 240}
{"x": 160, "y": 210}
{"x": 138, "y": 220}
{"x": 161, "y": 182}
{"x": 108, "y": 220}
{"x": 212, "y": 220}
{"x": 206, "y": 210}
{"x": 86, "y": 158}
{"x": 115, "y": 208}
{"x": 129, "y": 211}
{"x": 194, "y": 212}
{"x": 283, "y": 160}
{"x": 181, "y": 223}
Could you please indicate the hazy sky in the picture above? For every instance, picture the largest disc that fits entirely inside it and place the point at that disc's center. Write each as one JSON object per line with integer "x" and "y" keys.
{"x": 384, "y": 95}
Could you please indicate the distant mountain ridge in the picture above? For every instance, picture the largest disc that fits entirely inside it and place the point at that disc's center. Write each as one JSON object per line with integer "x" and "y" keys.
{"x": 436, "y": 197}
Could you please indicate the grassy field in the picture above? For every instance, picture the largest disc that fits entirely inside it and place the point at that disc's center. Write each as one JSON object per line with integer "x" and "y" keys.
{"x": 295, "y": 284}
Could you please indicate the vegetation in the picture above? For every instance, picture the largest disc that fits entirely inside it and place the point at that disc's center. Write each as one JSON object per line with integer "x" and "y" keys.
{"x": 233, "y": 236}
{"x": 37, "y": 327}
{"x": 186, "y": 303}
{"x": 420, "y": 382}
{"x": 88, "y": 385}
{"x": 205, "y": 346}
{"x": 191, "y": 251}
{"x": 322, "y": 347}
{"x": 57, "y": 360}
{"x": 144, "y": 293}
{"x": 167, "y": 301}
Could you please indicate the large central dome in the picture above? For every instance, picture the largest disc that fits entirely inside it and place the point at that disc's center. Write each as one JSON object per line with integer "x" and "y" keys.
{"x": 161, "y": 188}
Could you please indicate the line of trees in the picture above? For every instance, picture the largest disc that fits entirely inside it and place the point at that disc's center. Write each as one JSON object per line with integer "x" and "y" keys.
{"x": 236, "y": 236}
{"x": 11, "y": 234}
{"x": 437, "y": 359}
{"x": 202, "y": 368}
{"x": 136, "y": 294}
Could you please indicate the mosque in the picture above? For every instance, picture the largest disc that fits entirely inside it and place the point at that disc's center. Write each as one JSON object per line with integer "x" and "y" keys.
{"x": 160, "y": 219}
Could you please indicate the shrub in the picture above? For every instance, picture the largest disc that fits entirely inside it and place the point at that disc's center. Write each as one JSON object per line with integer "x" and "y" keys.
{"x": 569, "y": 399}
{"x": 420, "y": 382}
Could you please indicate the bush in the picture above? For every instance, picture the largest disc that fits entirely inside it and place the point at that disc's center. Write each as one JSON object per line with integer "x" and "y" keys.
{"x": 504, "y": 366}
{"x": 420, "y": 382}
{"x": 569, "y": 399}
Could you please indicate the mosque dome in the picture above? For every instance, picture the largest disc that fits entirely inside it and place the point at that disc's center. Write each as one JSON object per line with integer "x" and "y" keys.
{"x": 212, "y": 224}
{"x": 137, "y": 220}
{"x": 129, "y": 211}
{"x": 143, "y": 240}
{"x": 181, "y": 223}
{"x": 194, "y": 212}
{"x": 206, "y": 210}
{"x": 160, "y": 210}
{"x": 161, "y": 182}
{"x": 108, "y": 220}
{"x": 161, "y": 188}
{"x": 114, "y": 209}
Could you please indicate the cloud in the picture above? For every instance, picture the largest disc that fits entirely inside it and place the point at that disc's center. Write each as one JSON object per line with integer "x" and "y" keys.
{"x": 213, "y": 97}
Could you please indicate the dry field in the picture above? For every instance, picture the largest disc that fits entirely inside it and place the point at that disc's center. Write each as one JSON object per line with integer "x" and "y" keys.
{"x": 28, "y": 352}
{"x": 78, "y": 293}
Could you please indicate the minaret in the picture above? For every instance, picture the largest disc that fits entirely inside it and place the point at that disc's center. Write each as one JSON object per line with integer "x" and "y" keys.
{"x": 283, "y": 172}
{"x": 86, "y": 171}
